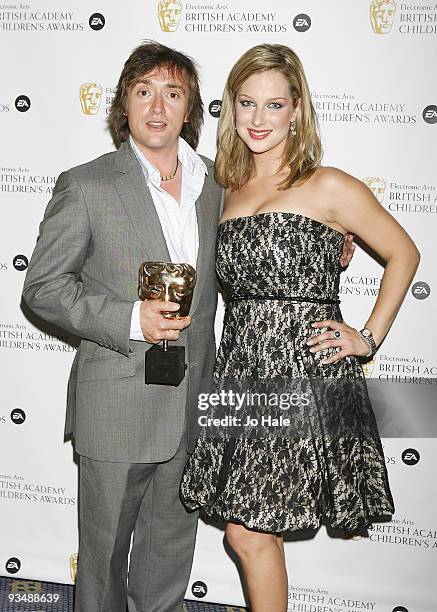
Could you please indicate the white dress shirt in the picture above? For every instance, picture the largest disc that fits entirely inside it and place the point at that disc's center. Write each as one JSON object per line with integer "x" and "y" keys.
{"x": 178, "y": 221}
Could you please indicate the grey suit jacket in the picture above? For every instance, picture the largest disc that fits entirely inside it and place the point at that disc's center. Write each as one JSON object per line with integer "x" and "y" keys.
{"x": 98, "y": 227}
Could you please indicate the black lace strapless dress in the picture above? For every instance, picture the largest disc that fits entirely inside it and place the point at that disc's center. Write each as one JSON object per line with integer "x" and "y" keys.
{"x": 280, "y": 273}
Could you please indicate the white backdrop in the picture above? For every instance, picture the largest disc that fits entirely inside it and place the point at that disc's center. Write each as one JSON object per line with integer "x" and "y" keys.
{"x": 372, "y": 78}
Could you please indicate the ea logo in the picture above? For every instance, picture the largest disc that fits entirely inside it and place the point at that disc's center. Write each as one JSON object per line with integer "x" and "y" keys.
{"x": 20, "y": 262}
{"x": 22, "y": 104}
{"x": 13, "y": 565}
{"x": 199, "y": 589}
{"x": 410, "y": 456}
{"x": 214, "y": 108}
{"x": 96, "y": 21}
{"x": 18, "y": 416}
{"x": 421, "y": 290}
{"x": 399, "y": 609}
{"x": 302, "y": 22}
{"x": 430, "y": 114}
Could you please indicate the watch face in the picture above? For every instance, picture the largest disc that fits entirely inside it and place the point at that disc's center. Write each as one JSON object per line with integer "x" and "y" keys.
{"x": 366, "y": 333}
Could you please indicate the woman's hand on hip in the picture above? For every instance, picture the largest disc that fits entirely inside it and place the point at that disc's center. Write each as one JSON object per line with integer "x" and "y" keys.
{"x": 339, "y": 335}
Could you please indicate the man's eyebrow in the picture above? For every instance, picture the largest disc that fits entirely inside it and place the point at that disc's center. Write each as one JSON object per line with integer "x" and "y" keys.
{"x": 168, "y": 85}
{"x": 175, "y": 86}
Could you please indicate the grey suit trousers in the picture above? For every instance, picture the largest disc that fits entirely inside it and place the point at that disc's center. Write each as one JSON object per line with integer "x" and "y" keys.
{"x": 116, "y": 500}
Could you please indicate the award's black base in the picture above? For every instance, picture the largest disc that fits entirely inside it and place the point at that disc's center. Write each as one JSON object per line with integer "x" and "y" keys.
{"x": 165, "y": 367}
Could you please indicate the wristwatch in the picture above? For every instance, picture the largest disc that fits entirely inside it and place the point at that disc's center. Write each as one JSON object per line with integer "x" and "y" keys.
{"x": 368, "y": 338}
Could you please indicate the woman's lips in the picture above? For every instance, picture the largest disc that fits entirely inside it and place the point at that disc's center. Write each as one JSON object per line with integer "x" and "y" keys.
{"x": 258, "y": 134}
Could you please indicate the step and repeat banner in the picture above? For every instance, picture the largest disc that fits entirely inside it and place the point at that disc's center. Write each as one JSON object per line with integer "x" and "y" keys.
{"x": 371, "y": 71}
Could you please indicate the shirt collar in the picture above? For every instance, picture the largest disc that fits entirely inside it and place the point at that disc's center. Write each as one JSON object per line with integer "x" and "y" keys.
{"x": 187, "y": 156}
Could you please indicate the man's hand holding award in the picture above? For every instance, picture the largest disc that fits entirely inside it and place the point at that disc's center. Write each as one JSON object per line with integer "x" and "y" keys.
{"x": 167, "y": 291}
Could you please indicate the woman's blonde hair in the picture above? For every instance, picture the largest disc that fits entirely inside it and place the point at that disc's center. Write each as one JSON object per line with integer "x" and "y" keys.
{"x": 303, "y": 151}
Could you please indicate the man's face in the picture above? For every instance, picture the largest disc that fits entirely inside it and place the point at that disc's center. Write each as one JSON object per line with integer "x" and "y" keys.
{"x": 156, "y": 110}
{"x": 90, "y": 97}
{"x": 382, "y": 15}
{"x": 169, "y": 13}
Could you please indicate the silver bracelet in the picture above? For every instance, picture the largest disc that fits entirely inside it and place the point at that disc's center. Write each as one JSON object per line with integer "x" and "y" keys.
{"x": 368, "y": 338}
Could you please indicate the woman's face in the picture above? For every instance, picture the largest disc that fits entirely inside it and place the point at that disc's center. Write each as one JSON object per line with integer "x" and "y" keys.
{"x": 263, "y": 111}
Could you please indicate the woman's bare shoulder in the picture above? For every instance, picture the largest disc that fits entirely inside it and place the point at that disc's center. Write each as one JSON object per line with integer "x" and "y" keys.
{"x": 331, "y": 177}
{"x": 335, "y": 185}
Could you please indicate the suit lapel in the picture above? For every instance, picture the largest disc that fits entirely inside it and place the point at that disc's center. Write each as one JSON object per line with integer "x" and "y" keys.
{"x": 138, "y": 203}
{"x": 135, "y": 196}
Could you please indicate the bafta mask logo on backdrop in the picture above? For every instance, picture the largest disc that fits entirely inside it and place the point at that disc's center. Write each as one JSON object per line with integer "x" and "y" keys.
{"x": 169, "y": 14}
{"x": 368, "y": 367}
{"x": 382, "y": 15}
{"x": 90, "y": 98}
{"x": 73, "y": 566}
{"x": 377, "y": 186}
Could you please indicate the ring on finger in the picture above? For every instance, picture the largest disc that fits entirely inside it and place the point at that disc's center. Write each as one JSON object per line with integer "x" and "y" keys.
{"x": 336, "y": 334}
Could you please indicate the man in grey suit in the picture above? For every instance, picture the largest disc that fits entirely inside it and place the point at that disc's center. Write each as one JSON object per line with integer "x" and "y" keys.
{"x": 152, "y": 199}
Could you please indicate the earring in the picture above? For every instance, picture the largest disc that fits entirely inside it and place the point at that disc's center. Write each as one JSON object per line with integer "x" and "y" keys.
{"x": 293, "y": 127}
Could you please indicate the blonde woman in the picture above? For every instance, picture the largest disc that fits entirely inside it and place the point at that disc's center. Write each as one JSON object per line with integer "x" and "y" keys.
{"x": 278, "y": 245}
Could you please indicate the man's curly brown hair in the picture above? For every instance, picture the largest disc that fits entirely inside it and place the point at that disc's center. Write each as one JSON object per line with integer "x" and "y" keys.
{"x": 142, "y": 60}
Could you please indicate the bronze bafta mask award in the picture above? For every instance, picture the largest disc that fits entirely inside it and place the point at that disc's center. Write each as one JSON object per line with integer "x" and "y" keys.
{"x": 172, "y": 282}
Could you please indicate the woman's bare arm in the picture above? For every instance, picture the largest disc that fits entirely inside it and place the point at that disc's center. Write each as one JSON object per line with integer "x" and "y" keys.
{"x": 351, "y": 205}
